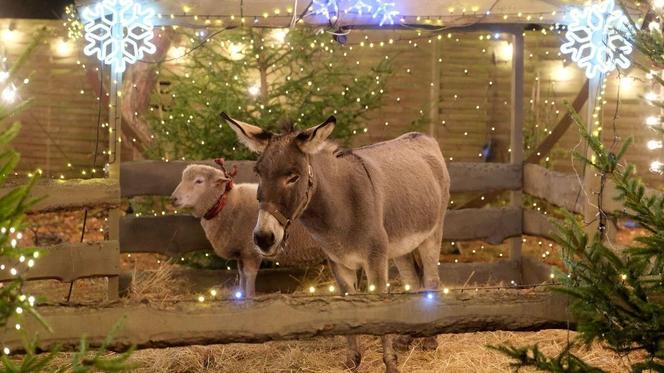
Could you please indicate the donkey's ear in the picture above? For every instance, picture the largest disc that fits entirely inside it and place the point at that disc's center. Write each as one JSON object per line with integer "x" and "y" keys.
{"x": 312, "y": 140}
{"x": 255, "y": 138}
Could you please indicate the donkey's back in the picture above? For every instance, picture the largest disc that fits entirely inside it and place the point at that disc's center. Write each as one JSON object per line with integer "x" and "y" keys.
{"x": 411, "y": 182}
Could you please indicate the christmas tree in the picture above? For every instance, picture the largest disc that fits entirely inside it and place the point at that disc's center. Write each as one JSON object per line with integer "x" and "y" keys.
{"x": 269, "y": 77}
{"x": 616, "y": 294}
{"x": 15, "y": 304}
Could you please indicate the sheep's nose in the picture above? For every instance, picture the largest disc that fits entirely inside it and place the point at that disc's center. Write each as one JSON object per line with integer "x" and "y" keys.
{"x": 264, "y": 240}
{"x": 174, "y": 199}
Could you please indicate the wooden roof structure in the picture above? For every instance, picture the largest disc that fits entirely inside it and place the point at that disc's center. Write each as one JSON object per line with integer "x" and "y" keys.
{"x": 441, "y": 14}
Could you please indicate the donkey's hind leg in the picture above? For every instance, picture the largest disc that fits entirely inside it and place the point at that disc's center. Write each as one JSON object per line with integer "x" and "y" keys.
{"x": 347, "y": 281}
{"x": 410, "y": 279}
{"x": 429, "y": 251}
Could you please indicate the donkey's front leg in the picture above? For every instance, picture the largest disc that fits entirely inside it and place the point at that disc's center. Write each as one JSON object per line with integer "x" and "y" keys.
{"x": 376, "y": 270}
{"x": 346, "y": 281}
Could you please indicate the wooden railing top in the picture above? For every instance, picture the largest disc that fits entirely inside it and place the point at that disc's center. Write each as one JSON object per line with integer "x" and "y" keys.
{"x": 71, "y": 261}
{"x": 159, "y": 178}
{"x": 72, "y": 194}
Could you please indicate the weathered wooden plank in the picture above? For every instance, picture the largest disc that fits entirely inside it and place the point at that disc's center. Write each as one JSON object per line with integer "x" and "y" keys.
{"x": 493, "y": 225}
{"x": 161, "y": 178}
{"x": 228, "y": 321}
{"x": 559, "y": 188}
{"x": 175, "y": 235}
{"x": 538, "y": 224}
{"x": 172, "y": 235}
{"x": 70, "y": 261}
{"x": 72, "y": 194}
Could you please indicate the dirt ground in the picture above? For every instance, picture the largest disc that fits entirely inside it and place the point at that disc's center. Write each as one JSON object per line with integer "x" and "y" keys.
{"x": 466, "y": 352}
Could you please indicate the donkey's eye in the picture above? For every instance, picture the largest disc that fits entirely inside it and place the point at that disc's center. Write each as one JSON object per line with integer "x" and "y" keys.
{"x": 292, "y": 179}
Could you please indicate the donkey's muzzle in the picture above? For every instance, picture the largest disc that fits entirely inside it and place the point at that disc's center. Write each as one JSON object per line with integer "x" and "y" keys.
{"x": 264, "y": 241}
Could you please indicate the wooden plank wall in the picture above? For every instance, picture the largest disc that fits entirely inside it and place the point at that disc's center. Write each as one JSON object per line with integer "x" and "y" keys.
{"x": 472, "y": 101}
{"x": 60, "y": 125}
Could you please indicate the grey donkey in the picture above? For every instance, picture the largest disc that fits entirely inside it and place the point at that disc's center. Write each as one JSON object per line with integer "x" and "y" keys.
{"x": 364, "y": 206}
{"x": 228, "y": 213}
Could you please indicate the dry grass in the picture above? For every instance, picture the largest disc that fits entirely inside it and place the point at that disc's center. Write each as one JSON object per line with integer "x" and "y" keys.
{"x": 456, "y": 353}
{"x": 156, "y": 286}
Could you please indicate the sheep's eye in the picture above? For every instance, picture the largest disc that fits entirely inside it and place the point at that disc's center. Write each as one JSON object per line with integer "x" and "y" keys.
{"x": 199, "y": 181}
{"x": 293, "y": 178}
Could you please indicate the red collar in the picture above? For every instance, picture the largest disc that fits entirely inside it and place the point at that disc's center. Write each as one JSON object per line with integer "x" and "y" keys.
{"x": 221, "y": 202}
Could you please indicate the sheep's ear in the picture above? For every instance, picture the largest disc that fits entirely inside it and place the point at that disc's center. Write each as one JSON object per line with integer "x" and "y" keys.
{"x": 312, "y": 139}
{"x": 253, "y": 137}
{"x": 219, "y": 179}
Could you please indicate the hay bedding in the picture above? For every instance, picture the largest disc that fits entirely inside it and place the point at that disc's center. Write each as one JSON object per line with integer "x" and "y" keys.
{"x": 456, "y": 353}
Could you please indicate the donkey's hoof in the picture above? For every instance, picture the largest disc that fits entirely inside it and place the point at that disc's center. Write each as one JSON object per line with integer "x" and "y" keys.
{"x": 353, "y": 360}
{"x": 429, "y": 344}
{"x": 392, "y": 368}
{"x": 402, "y": 342}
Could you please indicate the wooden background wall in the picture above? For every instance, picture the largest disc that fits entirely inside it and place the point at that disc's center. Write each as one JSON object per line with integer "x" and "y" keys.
{"x": 460, "y": 82}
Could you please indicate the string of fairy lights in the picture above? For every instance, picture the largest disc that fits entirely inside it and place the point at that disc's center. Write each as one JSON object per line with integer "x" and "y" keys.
{"x": 503, "y": 51}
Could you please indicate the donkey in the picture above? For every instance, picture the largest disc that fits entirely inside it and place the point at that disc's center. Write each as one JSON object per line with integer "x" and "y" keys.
{"x": 364, "y": 205}
{"x": 228, "y": 213}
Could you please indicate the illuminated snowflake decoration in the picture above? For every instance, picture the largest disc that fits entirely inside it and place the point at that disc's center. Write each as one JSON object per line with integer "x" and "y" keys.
{"x": 118, "y": 32}
{"x": 596, "y": 38}
{"x": 383, "y": 11}
{"x": 386, "y": 12}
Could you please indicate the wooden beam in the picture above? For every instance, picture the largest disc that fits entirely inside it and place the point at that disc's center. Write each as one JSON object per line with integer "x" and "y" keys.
{"x": 301, "y": 317}
{"x": 516, "y": 132}
{"x": 160, "y": 178}
{"x": 558, "y": 188}
{"x": 545, "y": 147}
{"x": 538, "y": 224}
{"x": 72, "y": 194}
{"x": 175, "y": 235}
{"x": 71, "y": 261}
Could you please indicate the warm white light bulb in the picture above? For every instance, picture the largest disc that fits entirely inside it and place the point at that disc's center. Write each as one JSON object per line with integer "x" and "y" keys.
{"x": 656, "y": 166}
{"x": 8, "y": 94}
{"x": 3, "y": 76}
{"x": 654, "y": 144}
{"x": 658, "y": 3}
{"x": 235, "y": 51}
{"x": 254, "y": 90}
{"x": 650, "y": 96}
{"x": 652, "y": 120}
{"x": 279, "y": 34}
{"x": 63, "y": 48}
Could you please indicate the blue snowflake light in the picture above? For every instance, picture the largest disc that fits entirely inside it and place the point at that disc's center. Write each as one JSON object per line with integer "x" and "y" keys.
{"x": 383, "y": 11}
{"x": 596, "y": 38}
{"x": 118, "y": 32}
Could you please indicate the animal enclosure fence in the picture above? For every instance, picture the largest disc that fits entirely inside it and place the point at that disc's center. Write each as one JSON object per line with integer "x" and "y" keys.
{"x": 237, "y": 320}
{"x": 252, "y": 320}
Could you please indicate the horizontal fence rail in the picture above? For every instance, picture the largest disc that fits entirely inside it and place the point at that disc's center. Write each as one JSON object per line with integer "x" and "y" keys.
{"x": 157, "y": 178}
{"x": 538, "y": 224}
{"x": 564, "y": 190}
{"x": 71, "y": 261}
{"x": 178, "y": 234}
{"x": 227, "y": 321}
{"x": 288, "y": 280}
{"x": 72, "y": 194}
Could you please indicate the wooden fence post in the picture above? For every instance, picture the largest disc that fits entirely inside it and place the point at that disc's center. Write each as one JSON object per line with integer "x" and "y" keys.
{"x": 434, "y": 90}
{"x": 114, "y": 147}
{"x": 516, "y": 131}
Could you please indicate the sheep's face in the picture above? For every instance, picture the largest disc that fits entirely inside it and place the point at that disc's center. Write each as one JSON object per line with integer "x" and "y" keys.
{"x": 199, "y": 188}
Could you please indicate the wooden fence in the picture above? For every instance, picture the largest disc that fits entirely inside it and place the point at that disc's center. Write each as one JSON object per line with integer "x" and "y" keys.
{"x": 173, "y": 235}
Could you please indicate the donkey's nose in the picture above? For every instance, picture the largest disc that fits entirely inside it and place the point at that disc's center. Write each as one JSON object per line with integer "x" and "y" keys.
{"x": 264, "y": 240}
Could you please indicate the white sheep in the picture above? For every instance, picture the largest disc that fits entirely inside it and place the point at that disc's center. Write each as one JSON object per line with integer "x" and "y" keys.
{"x": 228, "y": 214}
